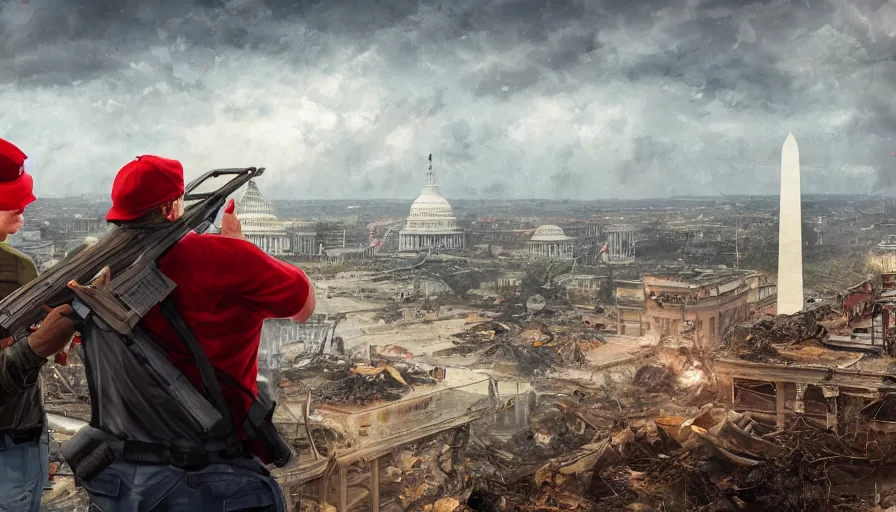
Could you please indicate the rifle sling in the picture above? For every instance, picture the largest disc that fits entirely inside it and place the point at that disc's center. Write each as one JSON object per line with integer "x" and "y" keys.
{"x": 206, "y": 370}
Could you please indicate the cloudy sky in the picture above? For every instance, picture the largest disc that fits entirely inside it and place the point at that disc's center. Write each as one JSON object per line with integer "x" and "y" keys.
{"x": 578, "y": 99}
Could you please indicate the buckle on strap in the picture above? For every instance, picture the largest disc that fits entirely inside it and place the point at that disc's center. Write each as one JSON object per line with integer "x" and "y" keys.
{"x": 234, "y": 448}
{"x": 226, "y": 448}
{"x": 148, "y": 453}
{"x": 186, "y": 459}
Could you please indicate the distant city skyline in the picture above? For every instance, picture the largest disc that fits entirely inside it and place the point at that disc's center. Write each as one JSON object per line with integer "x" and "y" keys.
{"x": 567, "y": 99}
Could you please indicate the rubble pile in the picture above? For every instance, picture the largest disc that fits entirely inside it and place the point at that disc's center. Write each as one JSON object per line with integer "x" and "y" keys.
{"x": 359, "y": 390}
{"x": 722, "y": 460}
{"x": 486, "y": 331}
{"x": 757, "y": 341}
{"x": 530, "y": 360}
{"x": 531, "y": 350}
{"x": 65, "y": 384}
{"x": 637, "y": 452}
{"x": 428, "y": 472}
{"x": 566, "y": 434}
{"x": 339, "y": 380}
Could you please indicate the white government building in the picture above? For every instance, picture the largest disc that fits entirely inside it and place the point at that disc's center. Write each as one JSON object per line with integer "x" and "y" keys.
{"x": 272, "y": 235}
{"x": 551, "y": 242}
{"x": 431, "y": 222}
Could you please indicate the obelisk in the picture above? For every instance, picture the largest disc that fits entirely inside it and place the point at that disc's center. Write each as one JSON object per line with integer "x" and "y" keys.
{"x": 790, "y": 234}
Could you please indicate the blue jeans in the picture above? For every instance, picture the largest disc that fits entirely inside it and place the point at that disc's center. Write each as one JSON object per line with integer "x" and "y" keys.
{"x": 127, "y": 487}
{"x": 24, "y": 470}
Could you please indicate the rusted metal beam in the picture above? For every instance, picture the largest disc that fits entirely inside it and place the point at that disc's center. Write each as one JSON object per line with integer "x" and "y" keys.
{"x": 305, "y": 471}
{"x": 830, "y": 376}
{"x": 375, "y": 485}
{"x": 343, "y": 488}
{"x": 832, "y": 414}
{"x": 324, "y": 490}
{"x": 780, "y": 403}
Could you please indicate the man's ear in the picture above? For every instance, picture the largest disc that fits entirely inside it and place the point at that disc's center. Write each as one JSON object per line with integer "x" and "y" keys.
{"x": 169, "y": 211}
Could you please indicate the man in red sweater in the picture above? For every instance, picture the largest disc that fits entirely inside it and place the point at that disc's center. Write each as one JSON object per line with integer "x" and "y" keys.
{"x": 226, "y": 288}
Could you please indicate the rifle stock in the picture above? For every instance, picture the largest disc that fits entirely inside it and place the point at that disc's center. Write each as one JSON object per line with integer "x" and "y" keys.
{"x": 128, "y": 252}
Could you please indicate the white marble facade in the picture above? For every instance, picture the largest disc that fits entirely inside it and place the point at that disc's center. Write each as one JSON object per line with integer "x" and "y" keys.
{"x": 551, "y": 242}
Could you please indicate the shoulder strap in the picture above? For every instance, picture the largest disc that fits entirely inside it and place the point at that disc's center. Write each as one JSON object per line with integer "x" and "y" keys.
{"x": 206, "y": 371}
{"x": 235, "y": 383}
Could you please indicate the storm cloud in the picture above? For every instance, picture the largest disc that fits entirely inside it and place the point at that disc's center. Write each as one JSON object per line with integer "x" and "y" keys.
{"x": 575, "y": 99}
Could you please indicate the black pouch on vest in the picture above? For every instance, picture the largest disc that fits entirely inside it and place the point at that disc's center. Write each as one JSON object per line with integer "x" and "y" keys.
{"x": 259, "y": 425}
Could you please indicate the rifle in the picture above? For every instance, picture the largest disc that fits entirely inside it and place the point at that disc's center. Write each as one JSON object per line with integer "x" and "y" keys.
{"x": 127, "y": 252}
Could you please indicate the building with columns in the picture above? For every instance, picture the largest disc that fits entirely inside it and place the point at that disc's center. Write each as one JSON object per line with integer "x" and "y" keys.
{"x": 620, "y": 244}
{"x": 272, "y": 235}
{"x": 431, "y": 222}
{"x": 550, "y": 241}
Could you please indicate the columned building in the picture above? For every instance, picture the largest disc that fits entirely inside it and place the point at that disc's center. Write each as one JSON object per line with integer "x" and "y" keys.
{"x": 75, "y": 225}
{"x": 431, "y": 222}
{"x": 262, "y": 227}
{"x": 620, "y": 244}
{"x": 550, "y": 241}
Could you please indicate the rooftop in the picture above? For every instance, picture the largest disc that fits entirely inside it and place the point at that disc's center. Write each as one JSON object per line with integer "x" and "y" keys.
{"x": 549, "y": 233}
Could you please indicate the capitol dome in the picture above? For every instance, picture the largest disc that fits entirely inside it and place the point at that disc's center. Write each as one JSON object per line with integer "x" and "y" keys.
{"x": 430, "y": 203}
{"x": 431, "y": 212}
{"x": 262, "y": 227}
{"x": 549, "y": 233}
{"x": 431, "y": 221}
{"x": 254, "y": 205}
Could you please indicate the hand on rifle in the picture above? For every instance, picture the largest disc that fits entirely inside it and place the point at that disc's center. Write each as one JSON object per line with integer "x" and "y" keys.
{"x": 54, "y": 333}
{"x": 230, "y": 224}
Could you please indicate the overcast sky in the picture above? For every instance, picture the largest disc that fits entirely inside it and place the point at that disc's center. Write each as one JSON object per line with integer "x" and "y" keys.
{"x": 578, "y": 99}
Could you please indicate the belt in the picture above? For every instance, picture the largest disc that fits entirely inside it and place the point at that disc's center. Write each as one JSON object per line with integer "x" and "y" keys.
{"x": 23, "y": 436}
{"x": 145, "y": 453}
{"x": 92, "y": 450}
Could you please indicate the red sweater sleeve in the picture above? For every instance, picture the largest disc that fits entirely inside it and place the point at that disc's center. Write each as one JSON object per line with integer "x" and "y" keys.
{"x": 274, "y": 288}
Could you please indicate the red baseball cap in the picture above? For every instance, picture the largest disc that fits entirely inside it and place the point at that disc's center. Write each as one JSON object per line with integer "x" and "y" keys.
{"x": 16, "y": 185}
{"x": 144, "y": 183}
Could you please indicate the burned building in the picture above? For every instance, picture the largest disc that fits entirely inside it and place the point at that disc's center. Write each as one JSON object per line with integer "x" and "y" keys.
{"x": 630, "y": 308}
{"x": 763, "y": 293}
{"x": 697, "y": 306}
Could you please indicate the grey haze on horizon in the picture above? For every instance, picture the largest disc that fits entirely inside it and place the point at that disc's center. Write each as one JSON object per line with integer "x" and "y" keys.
{"x": 576, "y": 99}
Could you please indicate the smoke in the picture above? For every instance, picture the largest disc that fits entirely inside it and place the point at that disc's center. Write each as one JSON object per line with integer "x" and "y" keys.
{"x": 575, "y": 99}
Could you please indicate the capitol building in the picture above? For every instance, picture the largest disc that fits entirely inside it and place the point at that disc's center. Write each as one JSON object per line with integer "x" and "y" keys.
{"x": 272, "y": 235}
{"x": 431, "y": 222}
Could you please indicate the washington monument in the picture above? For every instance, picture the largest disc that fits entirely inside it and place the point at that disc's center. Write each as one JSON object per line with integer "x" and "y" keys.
{"x": 790, "y": 235}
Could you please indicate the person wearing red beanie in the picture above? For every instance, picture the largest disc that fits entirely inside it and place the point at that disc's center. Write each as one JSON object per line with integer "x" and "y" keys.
{"x": 15, "y": 189}
{"x": 24, "y": 441}
{"x": 226, "y": 288}
{"x": 148, "y": 185}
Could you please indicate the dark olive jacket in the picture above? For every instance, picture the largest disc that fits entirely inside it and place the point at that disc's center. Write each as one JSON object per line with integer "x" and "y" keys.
{"x": 21, "y": 396}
